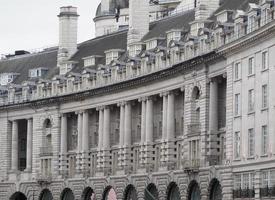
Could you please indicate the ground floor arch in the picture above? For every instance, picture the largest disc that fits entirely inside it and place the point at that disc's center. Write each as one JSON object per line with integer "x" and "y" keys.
{"x": 215, "y": 190}
{"x": 67, "y": 194}
{"x": 173, "y": 192}
{"x": 130, "y": 193}
{"x": 109, "y": 194}
{"x": 88, "y": 194}
{"x": 194, "y": 191}
{"x": 18, "y": 196}
{"x": 151, "y": 192}
{"x": 46, "y": 195}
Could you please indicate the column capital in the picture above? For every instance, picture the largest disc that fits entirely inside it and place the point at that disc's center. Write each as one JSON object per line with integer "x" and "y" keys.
{"x": 163, "y": 94}
{"x": 99, "y": 108}
{"x": 182, "y": 88}
{"x": 142, "y": 99}
{"x": 62, "y": 115}
{"x": 122, "y": 103}
{"x": 79, "y": 112}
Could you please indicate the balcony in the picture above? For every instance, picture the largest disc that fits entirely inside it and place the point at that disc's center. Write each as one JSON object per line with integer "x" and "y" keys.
{"x": 46, "y": 151}
{"x": 194, "y": 129}
{"x": 43, "y": 179}
{"x": 267, "y": 192}
{"x": 191, "y": 166}
{"x": 244, "y": 193}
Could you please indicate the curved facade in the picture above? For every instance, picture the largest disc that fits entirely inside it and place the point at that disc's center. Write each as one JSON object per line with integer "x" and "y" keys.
{"x": 172, "y": 116}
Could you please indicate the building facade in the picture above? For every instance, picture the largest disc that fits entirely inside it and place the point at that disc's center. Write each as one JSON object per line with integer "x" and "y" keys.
{"x": 177, "y": 108}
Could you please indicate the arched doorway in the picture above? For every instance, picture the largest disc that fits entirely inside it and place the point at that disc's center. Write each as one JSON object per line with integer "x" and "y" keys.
{"x": 151, "y": 192}
{"x": 88, "y": 194}
{"x": 18, "y": 196}
{"x": 173, "y": 192}
{"x": 215, "y": 190}
{"x": 109, "y": 194}
{"x": 130, "y": 193}
{"x": 46, "y": 195}
{"x": 194, "y": 191}
{"x": 67, "y": 194}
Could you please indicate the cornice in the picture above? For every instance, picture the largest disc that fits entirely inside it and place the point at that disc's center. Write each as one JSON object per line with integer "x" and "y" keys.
{"x": 175, "y": 70}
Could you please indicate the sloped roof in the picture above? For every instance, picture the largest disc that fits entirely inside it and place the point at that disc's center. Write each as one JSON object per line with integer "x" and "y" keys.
{"x": 97, "y": 46}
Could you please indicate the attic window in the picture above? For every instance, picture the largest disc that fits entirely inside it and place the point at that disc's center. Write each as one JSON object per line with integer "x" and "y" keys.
{"x": 134, "y": 50}
{"x": 112, "y": 55}
{"x": 89, "y": 61}
{"x": 173, "y": 35}
{"x": 151, "y": 44}
{"x": 37, "y": 72}
{"x": 6, "y": 78}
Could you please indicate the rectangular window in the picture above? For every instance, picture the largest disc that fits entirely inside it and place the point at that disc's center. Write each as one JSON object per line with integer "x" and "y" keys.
{"x": 237, "y": 104}
{"x": 264, "y": 96}
{"x": 264, "y": 60}
{"x": 246, "y": 181}
{"x": 237, "y": 71}
{"x": 251, "y": 100}
{"x": 237, "y": 145}
{"x": 251, "y": 142}
{"x": 264, "y": 140}
{"x": 251, "y": 66}
{"x": 265, "y": 179}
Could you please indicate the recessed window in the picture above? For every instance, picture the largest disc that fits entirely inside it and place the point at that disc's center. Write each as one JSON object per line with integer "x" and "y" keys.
{"x": 264, "y": 96}
{"x": 237, "y": 145}
{"x": 264, "y": 60}
{"x": 237, "y": 71}
{"x": 237, "y": 104}
{"x": 251, "y": 100}
{"x": 264, "y": 140}
{"x": 251, "y": 66}
{"x": 251, "y": 142}
{"x": 6, "y": 78}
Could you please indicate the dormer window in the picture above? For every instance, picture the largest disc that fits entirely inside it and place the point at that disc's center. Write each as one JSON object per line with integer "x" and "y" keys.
{"x": 135, "y": 49}
{"x": 151, "y": 44}
{"x": 224, "y": 16}
{"x": 173, "y": 35}
{"x": 112, "y": 55}
{"x": 89, "y": 62}
{"x": 6, "y": 78}
{"x": 195, "y": 26}
{"x": 37, "y": 72}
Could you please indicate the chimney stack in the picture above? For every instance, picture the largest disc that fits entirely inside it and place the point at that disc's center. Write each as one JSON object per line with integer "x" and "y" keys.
{"x": 68, "y": 18}
{"x": 138, "y": 20}
{"x": 205, "y": 8}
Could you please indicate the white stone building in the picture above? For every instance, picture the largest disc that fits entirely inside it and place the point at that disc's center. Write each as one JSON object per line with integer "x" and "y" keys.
{"x": 180, "y": 107}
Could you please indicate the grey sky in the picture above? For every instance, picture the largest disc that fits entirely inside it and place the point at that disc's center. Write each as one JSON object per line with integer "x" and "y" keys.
{"x": 31, "y": 24}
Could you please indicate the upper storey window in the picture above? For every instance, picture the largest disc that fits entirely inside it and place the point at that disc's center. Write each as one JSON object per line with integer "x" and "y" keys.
{"x": 112, "y": 55}
{"x": 89, "y": 61}
{"x": 151, "y": 44}
{"x": 173, "y": 35}
{"x": 37, "y": 72}
{"x": 135, "y": 49}
{"x": 6, "y": 78}
{"x": 224, "y": 16}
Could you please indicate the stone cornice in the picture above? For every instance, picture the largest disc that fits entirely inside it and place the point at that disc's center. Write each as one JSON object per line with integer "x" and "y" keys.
{"x": 175, "y": 70}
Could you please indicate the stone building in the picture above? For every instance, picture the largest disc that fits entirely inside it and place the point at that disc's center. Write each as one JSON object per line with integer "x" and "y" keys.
{"x": 180, "y": 107}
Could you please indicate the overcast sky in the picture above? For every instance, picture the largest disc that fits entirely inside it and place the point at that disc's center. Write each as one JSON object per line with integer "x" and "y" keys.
{"x": 31, "y": 24}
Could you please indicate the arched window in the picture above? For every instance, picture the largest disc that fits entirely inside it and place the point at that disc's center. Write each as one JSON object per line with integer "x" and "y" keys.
{"x": 67, "y": 194}
{"x": 88, "y": 194}
{"x": 215, "y": 190}
{"x": 18, "y": 196}
{"x": 109, "y": 194}
{"x": 46, "y": 195}
{"x": 151, "y": 192}
{"x": 173, "y": 192}
{"x": 130, "y": 193}
{"x": 194, "y": 191}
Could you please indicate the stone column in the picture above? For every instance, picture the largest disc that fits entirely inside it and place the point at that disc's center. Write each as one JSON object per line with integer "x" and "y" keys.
{"x": 100, "y": 137}
{"x": 121, "y": 133}
{"x": 106, "y": 139}
{"x": 213, "y": 117}
{"x": 143, "y": 121}
{"x": 213, "y": 106}
{"x": 29, "y": 145}
{"x": 14, "y": 146}
{"x": 171, "y": 117}
{"x": 85, "y": 141}
{"x": 63, "y": 146}
{"x": 164, "y": 117}
{"x": 127, "y": 135}
{"x": 149, "y": 132}
{"x": 79, "y": 141}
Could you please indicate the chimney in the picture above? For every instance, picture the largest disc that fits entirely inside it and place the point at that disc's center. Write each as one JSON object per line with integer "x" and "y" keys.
{"x": 67, "y": 33}
{"x": 138, "y": 20}
{"x": 205, "y": 8}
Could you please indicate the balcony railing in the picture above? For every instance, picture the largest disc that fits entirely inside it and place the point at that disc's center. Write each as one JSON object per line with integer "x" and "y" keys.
{"x": 244, "y": 193}
{"x": 43, "y": 179}
{"x": 191, "y": 164}
{"x": 267, "y": 192}
{"x": 46, "y": 151}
